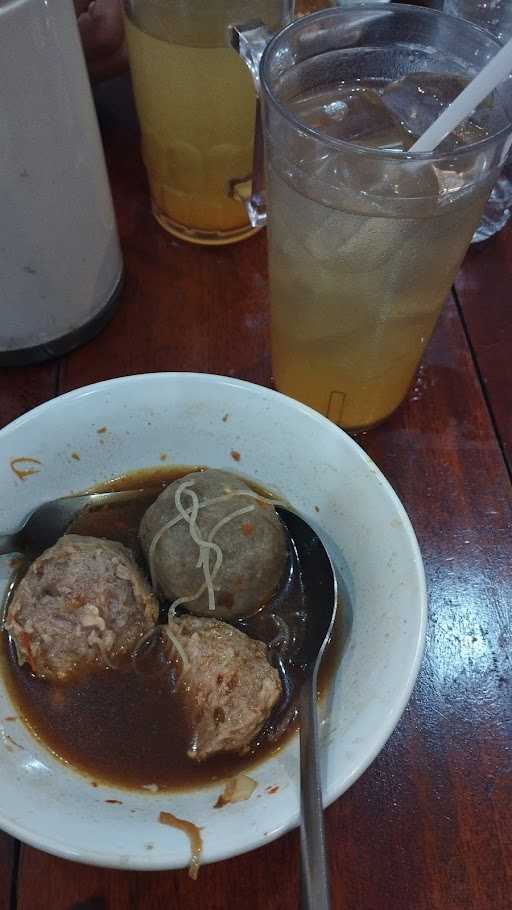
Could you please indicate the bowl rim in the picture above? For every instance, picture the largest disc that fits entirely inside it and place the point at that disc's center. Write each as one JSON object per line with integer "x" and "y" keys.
{"x": 112, "y": 860}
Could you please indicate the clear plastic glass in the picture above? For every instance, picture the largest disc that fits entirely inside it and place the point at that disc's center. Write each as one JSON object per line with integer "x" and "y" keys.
{"x": 364, "y": 242}
{"x": 496, "y": 16}
{"x": 196, "y": 104}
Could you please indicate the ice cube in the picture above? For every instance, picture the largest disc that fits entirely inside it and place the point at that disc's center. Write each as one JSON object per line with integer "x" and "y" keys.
{"x": 350, "y": 243}
{"x": 418, "y": 99}
{"x": 320, "y": 111}
{"x": 450, "y": 181}
{"x": 354, "y": 114}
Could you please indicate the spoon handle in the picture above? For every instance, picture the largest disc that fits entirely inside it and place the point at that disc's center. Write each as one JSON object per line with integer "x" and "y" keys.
{"x": 9, "y": 543}
{"x": 315, "y": 887}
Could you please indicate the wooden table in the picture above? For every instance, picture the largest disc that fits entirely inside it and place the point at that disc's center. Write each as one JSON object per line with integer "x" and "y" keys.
{"x": 429, "y": 825}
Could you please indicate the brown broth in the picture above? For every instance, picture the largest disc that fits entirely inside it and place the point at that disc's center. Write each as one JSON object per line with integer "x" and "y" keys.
{"x": 127, "y": 726}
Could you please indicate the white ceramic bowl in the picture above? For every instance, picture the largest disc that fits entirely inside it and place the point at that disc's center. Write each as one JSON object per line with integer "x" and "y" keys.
{"x": 329, "y": 479}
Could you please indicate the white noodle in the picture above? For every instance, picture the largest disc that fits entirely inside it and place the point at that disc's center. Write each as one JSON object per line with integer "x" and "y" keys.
{"x": 264, "y": 499}
{"x": 169, "y": 524}
{"x": 224, "y": 521}
{"x": 209, "y": 580}
{"x": 203, "y": 504}
{"x": 194, "y": 530}
{"x": 161, "y": 531}
{"x": 179, "y": 648}
{"x": 205, "y": 546}
{"x": 191, "y": 515}
{"x": 181, "y": 601}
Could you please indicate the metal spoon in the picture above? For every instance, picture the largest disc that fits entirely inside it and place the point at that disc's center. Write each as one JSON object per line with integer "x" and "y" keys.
{"x": 43, "y": 527}
{"x": 320, "y": 599}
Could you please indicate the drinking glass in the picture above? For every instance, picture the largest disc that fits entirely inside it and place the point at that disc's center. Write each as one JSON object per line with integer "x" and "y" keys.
{"x": 365, "y": 238}
{"x": 496, "y": 16}
{"x": 196, "y": 105}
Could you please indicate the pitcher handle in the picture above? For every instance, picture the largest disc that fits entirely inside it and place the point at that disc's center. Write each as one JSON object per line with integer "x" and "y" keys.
{"x": 249, "y": 41}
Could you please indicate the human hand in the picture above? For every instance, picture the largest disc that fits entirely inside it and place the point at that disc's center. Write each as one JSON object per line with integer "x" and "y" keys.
{"x": 101, "y": 28}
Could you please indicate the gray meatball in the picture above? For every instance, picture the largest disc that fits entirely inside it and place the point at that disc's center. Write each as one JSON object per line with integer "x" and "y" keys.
{"x": 228, "y": 686}
{"x": 82, "y": 602}
{"x": 249, "y": 547}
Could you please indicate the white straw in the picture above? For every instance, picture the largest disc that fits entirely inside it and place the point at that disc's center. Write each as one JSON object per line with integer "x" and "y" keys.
{"x": 479, "y": 88}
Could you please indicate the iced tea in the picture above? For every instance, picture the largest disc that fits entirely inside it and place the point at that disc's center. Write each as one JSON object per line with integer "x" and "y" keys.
{"x": 355, "y": 288}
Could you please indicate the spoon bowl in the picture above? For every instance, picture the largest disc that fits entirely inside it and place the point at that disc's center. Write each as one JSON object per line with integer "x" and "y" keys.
{"x": 319, "y": 588}
{"x": 44, "y": 525}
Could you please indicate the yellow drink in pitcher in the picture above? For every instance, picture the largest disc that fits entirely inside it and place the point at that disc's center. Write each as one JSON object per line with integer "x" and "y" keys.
{"x": 196, "y": 106}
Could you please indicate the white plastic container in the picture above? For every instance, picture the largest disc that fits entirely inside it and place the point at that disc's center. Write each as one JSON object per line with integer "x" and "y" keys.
{"x": 60, "y": 261}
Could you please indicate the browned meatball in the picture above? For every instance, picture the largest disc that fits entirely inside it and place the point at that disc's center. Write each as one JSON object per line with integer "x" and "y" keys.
{"x": 83, "y": 601}
{"x": 246, "y": 531}
{"x": 227, "y": 683}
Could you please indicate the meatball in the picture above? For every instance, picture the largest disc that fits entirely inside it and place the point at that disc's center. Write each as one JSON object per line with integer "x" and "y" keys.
{"x": 83, "y": 601}
{"x": 227, "y": 683}
{"x": 245, "y": 546}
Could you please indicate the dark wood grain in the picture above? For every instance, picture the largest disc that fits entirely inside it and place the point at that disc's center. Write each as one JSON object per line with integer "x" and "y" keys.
{"x": 22, "y": 388}
{"x": 184, "y": 306}
{"x": 484, "y": 290}
{"x": 8, "y": 851}
{"x": 448, "y": 789}
{"x": 265, "y": 878}
{"x": 429, "y": 824}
